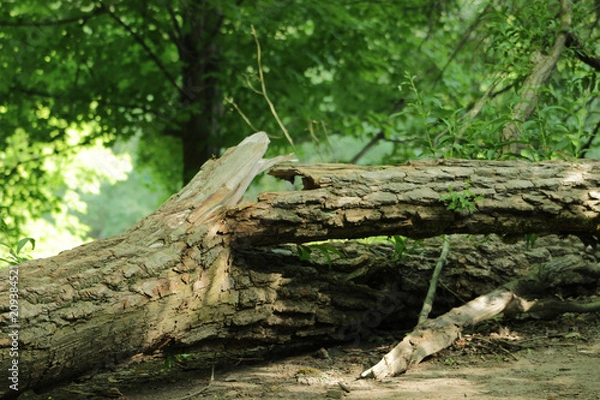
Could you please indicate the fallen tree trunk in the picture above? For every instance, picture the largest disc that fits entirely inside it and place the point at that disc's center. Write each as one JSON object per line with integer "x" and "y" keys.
{"x": 189, "y": 275}
{"x": 168, "y": 279}
{"x": 507, "y": 197}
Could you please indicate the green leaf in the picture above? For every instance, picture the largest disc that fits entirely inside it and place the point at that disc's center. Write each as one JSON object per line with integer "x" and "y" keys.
{"x": 24, "y": 242}
{"x": 303, "y": 252}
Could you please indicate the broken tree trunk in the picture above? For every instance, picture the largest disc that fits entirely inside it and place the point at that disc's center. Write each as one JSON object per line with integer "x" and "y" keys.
{"x": 167, "y": 279}
{"x": 190, "y": 276}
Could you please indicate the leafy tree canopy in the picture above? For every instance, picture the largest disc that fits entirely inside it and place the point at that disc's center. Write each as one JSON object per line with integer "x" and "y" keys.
{"x": 428, "y": 78}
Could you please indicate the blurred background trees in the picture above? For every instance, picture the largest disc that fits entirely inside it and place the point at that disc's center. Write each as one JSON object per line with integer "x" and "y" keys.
{"x": 108, "y": 107}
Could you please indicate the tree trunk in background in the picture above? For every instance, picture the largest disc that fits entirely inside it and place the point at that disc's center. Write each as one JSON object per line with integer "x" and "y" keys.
{"x": 201, "y": 100}
{"x": 543, "y": 67}
{"x": 189, "y": 276}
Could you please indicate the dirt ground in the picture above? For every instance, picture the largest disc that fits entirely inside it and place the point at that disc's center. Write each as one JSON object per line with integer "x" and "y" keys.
{"x": 547, "y": 360}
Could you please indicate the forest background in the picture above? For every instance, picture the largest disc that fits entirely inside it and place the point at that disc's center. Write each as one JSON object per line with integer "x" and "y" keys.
{"x": 109, "y": 107}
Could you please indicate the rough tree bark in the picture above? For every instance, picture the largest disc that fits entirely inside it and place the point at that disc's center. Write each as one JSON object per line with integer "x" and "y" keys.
{"x": 191, "y": 276}
{"x": 341, "y": 201}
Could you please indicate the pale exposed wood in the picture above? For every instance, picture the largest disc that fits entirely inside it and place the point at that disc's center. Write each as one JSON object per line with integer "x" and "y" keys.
{"x": 435, "y": 335}
{"x": 515, "y": 297}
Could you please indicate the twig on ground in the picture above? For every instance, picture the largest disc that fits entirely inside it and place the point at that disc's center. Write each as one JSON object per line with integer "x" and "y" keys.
{"x": 204, "y": 389}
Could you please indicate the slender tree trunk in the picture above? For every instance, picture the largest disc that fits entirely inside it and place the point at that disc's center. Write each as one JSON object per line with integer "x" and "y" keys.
{"x": 539, "y": 76}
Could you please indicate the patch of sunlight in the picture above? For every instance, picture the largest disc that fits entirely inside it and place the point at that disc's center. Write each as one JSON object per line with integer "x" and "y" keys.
{"x": 83, "y": 173}
{"x": 53, "y": 236}
{"x": 95, "y": 165}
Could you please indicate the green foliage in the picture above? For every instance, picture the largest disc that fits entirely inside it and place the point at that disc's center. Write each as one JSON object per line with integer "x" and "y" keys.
{"x": 463, "y": 202}
{"x": 305, "y": 251}
{"x": 403, "y": 246}
{"x": 530, "y": 240}
{"x": 171, "y": 360}
{"x": 13, "y": 253}
{"x": 459, "y": 108}
{"x": 114, "y": 70}
{"x": 117, "y": 206}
